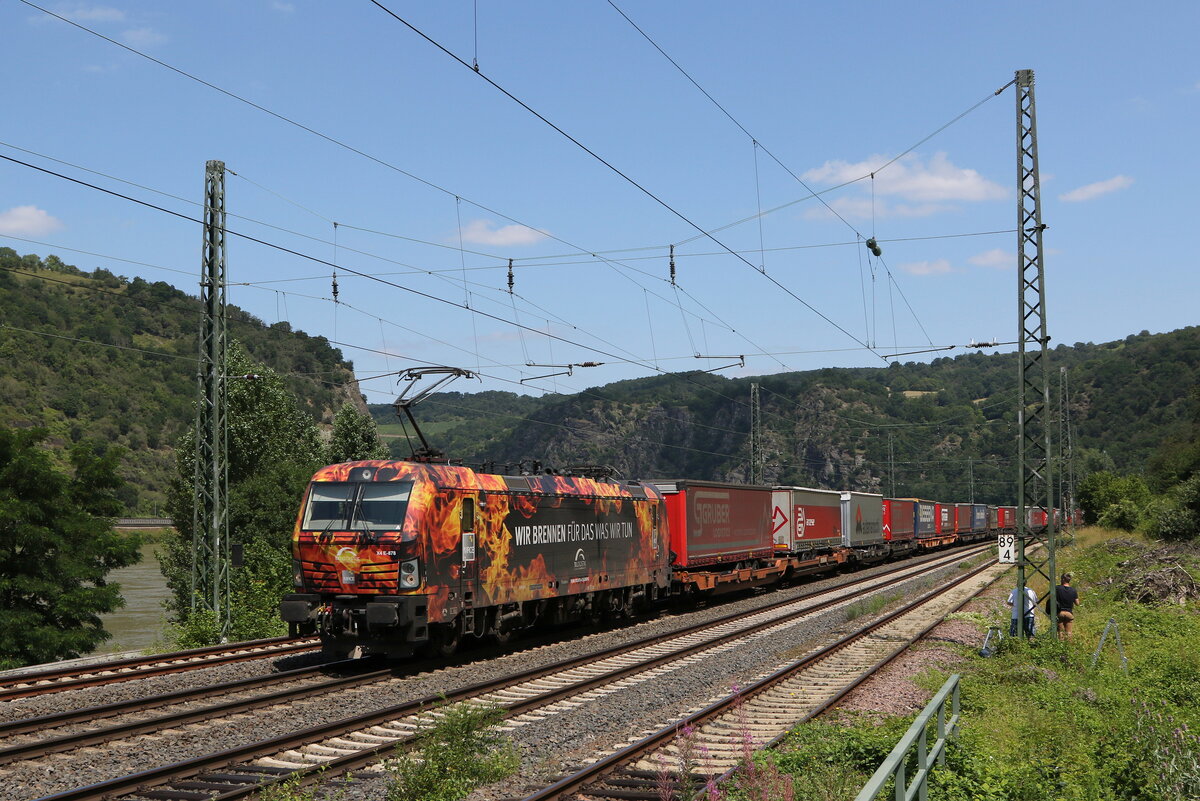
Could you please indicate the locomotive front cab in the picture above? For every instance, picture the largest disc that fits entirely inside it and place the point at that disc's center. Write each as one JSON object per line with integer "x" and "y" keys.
{"x": 357, "y": 562}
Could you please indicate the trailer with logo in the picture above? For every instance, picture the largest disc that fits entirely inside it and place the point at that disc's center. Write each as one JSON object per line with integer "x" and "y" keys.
{"x": 806, "y": 520}
{"x": 720, "y": 535}
{"x": 862, "y": 527}
{"x": 899, "y": 524}
{"x": 927, "y": 524}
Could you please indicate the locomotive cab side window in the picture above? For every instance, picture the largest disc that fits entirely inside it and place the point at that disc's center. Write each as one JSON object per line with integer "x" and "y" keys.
{"x": 468, "y": 515}
{"x": 468, "y": 530}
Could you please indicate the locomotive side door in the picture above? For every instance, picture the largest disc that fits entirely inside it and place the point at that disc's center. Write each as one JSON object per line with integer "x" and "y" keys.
{"x": 468, "y": 570}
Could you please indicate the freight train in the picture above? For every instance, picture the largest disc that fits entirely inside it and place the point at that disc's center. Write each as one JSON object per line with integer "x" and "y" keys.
{"x": 393, "y": 557}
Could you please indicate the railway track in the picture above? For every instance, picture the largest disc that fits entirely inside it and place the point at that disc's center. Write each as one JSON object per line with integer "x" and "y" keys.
{"x": 762, "y": 713}
{"x": 51, "y": 681}
{"x": 362, "y": 739}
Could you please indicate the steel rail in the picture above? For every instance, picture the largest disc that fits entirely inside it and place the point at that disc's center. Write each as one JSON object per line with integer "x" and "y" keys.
{"x": 100, "y": 711}
{"x": 39, "y": 748}
{"x": 200, "y": 767}
{"x": 845, "y": 691}
{"x": 94, "y": 736}
{"x": 598, "y": 772}
{"x": 51, "y": 681}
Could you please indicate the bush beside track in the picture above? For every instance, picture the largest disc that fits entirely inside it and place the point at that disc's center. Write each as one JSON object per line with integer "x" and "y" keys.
{"x": 1038, "y": 721}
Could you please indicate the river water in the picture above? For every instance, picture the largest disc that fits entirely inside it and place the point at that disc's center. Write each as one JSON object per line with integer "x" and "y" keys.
{"x": 139, "y": 623}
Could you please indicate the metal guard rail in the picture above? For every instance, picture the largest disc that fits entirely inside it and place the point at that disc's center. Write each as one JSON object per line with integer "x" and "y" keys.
{"x": 895, "y": 764}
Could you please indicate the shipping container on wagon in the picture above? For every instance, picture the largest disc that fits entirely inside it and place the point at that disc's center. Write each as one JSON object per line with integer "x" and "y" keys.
{"x": 806, "y": 519}
{"x": 925, "y": 520}
{"x": 1008, "y": 518}
{"x": 993, "y": 518}
{"x": 979, "y": 518}
{"x": 862, "y": 519}
{"x": 962, "y": 518}
{"x": 945, "y": 518}
{"x": 713, "y": 523}
{"x": 1035, "y": 518}
{"x": 899, "y": 519}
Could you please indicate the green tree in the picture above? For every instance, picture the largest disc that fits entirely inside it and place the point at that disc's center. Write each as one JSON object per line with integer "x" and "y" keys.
{"x": 1122, "y": 498}
{"x": 57, "y": 545}
{"x": 354, "y": 437}
{"x": 274, "y": 448}
{"x": 1177, "y": 517}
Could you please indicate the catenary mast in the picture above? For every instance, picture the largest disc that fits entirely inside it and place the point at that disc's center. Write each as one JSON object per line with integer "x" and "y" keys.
{"x": 1035, "y": 485}
{"x": 210, "y": 515}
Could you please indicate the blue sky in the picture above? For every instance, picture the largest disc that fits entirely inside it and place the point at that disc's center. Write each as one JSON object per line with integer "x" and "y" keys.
{"x": 832, "y": 91}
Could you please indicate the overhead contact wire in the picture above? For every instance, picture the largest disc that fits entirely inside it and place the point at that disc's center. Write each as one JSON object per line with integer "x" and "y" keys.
{"x": 613, "y": 168}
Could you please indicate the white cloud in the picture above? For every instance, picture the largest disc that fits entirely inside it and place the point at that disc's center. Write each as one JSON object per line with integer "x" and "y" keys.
{"x": 82, "y": 13}
{"x": 1097, "y": 189}
{"x": 938, "y": 267}
{"x": 996, "y": 258}
{"x": 482, "y": 232}
{"x": 281, "y": 6}
{"x": 143, "y": 37}
{"x": 913, "y": 180}
{"x": 28, "y": 221}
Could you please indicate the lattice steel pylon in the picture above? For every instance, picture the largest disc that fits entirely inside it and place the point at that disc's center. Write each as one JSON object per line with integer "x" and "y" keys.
{"x": 1035, "y": 485}
{"x": 756, "y": 443}
{"x": 210, "y": 516}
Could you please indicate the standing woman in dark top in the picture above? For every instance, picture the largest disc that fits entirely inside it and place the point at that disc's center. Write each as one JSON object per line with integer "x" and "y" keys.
{"x": 1068, "y": 598}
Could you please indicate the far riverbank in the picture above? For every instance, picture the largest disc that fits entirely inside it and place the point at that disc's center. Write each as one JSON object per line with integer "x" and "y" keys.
{"x": 139, "y": 624}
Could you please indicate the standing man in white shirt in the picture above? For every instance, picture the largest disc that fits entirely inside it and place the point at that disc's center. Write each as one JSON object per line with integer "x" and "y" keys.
{"x": 1030, "y": 605}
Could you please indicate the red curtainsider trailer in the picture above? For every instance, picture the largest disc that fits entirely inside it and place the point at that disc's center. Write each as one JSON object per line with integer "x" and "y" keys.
{"x": 717, "y": 524}
{"x": 899, "y": 523}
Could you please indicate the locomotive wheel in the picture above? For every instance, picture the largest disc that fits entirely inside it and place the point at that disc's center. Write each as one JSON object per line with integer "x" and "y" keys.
{"x": 336, "y": 652}
{"x": 445, "y": 638}
{"x": 595, "y": 615}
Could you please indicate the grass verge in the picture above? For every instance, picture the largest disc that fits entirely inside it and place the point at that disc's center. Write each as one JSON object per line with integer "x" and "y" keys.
{"x": 1039, "y": 720}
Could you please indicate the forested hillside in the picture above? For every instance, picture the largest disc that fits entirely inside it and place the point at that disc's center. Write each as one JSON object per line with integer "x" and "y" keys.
{"x": 137, "y": 389}
{"x": 949, "y": 425}
{"x": 459, "y": 423}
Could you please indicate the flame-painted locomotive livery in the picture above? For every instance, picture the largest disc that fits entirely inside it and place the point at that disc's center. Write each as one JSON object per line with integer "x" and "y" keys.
{"x": 392, "y": 556}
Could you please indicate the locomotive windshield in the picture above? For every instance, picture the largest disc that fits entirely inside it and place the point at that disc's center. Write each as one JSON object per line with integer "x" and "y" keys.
{"x": 355, "y": 506}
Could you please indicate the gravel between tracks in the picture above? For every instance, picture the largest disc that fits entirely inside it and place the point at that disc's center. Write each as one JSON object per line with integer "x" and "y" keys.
{"x": 547, "y": 750}
{"x": 64, "y": 700}
{"x": 570, "y": 741}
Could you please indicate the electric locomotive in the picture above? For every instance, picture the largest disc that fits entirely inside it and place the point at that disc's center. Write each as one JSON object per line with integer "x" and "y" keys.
{"x": 395, "y": 556}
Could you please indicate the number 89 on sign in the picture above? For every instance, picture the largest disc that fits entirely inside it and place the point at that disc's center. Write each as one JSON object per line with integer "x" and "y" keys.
{"x": 1008, "y": 548}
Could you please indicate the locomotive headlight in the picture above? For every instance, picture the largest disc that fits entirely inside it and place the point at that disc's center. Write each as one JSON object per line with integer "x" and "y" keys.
{"x": 297, "y": 574}
{"x": 410, "y": 574}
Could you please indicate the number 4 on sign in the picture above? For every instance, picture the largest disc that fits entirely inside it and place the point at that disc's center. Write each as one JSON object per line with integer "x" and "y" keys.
{"x": 1008, "y": 548}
